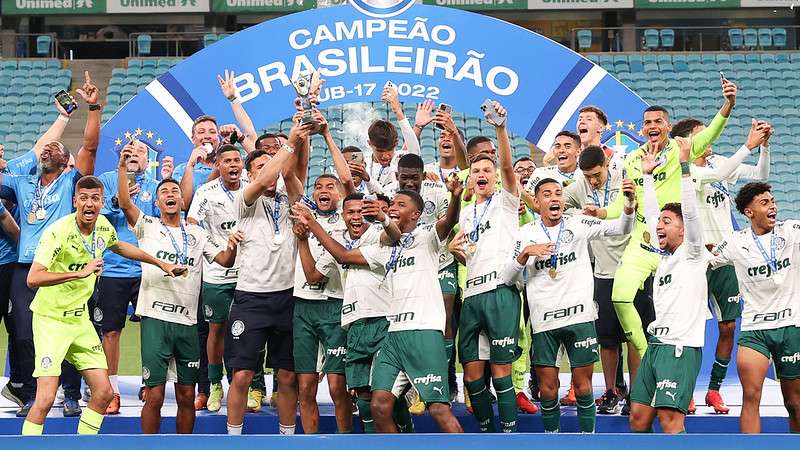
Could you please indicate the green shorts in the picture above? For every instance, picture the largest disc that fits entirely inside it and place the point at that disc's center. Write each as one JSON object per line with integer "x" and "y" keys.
{"x": 448, "y": 279}
{"x": 75, "y": 340}
{"x": 320, "y": 343}
{"x": 667, "y": 376}
{"x": 489, "y": 326}
{"x": 216, "y": 300}
{"x": 414, "y": 357}
{"x": 165, "y": 343}
{"x": 636, "y": 265}
{"x": 724, "y": 289}
{"x": 364, "y": 339}
{"x": 781, "y": 344}
{"x": 579, "y": 341}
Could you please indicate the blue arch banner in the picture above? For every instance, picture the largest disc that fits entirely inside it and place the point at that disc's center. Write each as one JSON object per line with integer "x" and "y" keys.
{"x": 444, "y": 54}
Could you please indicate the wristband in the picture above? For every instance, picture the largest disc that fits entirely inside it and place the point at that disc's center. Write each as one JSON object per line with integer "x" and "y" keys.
{"x": 231, "y": 97}
{"x": 95, "y": 107}
{"x": 386, "y": 221}
{"x": 287, "y": 148}
{"x": 236, "y": 101}
{"x": 685, "y": 168}
{"x": 63, "y": 118}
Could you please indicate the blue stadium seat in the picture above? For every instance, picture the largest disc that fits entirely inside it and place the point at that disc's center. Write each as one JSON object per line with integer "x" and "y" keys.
{"x": 779, "y": 37}
{"x": 735, "y": 37}
{"x": 53, "y": 64}
{"x": 151, "y": 63}
{"x": 43, "y": 43}
{"x": 750, "y": 37}
{"x": 584, "y": 39}
{"x": 667, "y": 38}
{"x": 144, "y": 43}
{"x": 8, "y": 64}
{"x": 134, "y": 63}
{"x": 765, "y": 37}
{"x": 751, "y": 58}
{"x": 651, "y": 38}
{"x": 209, "y": 39}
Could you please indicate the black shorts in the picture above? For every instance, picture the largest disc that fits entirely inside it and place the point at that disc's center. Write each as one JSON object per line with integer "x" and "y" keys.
{"x": 609, "y": 331}
{"x": 256, "y": 320}
{"x": 111, "y": 299}
{"x": 6, "y": 271}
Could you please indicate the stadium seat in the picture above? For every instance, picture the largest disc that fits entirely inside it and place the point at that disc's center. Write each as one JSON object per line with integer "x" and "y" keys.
{"x": 779, "y": 37}
{"x": 667, "y": 38}
{"x": 735, "y": 37}
{"x": 209, "y": 39}
{"x": 750, "y": 37}
{"x": 584, "y": 39}
{"x": 143, "y": 44}
{"x": 765, "y": 37}
{"x": 53, "y": 64}
{"x": 651, "y": 38}
{"x": 134, "y": 63}
{"x": 43, "y": 43}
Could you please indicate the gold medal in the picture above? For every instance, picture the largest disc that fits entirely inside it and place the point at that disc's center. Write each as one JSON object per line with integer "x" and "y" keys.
{"x": 552, "y": 272}
{"x": 646, "y": 236}
{"x": 31, "y": 218}
{"x": 41, "y": 214}
{"x": 471, "y": 248}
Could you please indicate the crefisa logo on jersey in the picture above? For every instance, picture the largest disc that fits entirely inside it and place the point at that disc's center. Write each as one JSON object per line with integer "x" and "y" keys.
{"x": 382, "y": 8}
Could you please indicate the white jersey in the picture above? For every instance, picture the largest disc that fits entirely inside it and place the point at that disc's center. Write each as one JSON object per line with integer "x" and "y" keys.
{"x": 680, "y": 297}
{"x": 268, "y": 251}
{"x": 383, "y": 175}
{"x": 567, "y": 299}
{"x": 417, "y": 302}
{"x": 497, "y": 224}
{"x": 436, "y": 199}
{"x": 540, "y": 173}
{"x": 212, "y": 208}
{"x": 330, "y": 287}
{"x": 771, "y": 297}
{"x": 440, "y": 171}
{"x": 606, "y": 252}
{"x": 172, "y": 299}
{"x": 714, "y": 197}
{"x": 366, "y": 294}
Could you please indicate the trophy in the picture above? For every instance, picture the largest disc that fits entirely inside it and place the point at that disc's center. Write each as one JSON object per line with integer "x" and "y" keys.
{"x": 302, "y": 84}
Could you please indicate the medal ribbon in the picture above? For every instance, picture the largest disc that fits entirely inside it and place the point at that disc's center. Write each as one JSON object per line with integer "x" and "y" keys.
{"x": 91, "y": 249}
{"x": 274, "y": 214}
{"x": 771, "y": 259}
{"x": 183, "y": 257}
{"x": 226, "y": 191}
{"x": 397, "y": 250}
{"x": 605, "y": 197}
{"x": 39, "y": 194}
{"x": 474, "y": 235}
{"x": 554, "y": 256}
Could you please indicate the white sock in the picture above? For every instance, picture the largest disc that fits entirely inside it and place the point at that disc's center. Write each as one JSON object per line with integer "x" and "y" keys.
{"x": 114, "y": 383}
{"x": 235, "y": 430}
{"x": 286, "y": 429}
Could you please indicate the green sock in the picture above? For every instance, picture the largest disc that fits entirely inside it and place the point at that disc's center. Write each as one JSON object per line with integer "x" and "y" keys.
{"x": 631, "y": 324}
{"x": 90, "y": 422}
{"x": 215, "y": 373}
{"x": 365, "y": 413}
{"x": 506, "y": 403}
{"x": 587, "y": 413}
{"x": 718, "y": 372}
{"x": 402, "y": 417}
{"x": 482, "y": 404}
{"x": 448, "y": 347}
{"x": 620, "y": 381}
{"x": 551, "y": 415}
{"x": 32, "y": 429}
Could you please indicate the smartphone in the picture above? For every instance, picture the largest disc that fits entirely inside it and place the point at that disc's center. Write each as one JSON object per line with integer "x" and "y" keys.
{"x": 233, "y": 138}
{"x": 66, "y": 102}
{"x": 444, "y": 107}
{"x": 371, "y": 198}
{"x": 721, "y": 77}
{"x": 488, "y": 107}
{"x": 355, "y": 157}
{"x": 131, "y": 178}
{"x": 388, "y": 84}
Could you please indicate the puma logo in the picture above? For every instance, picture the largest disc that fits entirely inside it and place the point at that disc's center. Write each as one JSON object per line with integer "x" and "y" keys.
{"x": 671, "y": 394}
{"x": 438, "y": 389}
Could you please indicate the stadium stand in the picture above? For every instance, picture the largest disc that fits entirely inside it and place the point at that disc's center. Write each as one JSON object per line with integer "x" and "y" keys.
{"x": 27, "y": 87}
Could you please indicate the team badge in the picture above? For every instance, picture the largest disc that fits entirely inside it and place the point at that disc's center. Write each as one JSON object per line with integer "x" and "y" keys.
{"x": 333, "y": 218}
{"x": 407, "y": 241}
{"x": 237, "y": 328}
{"x": 567, "y": 236}
{"x": 208, "y": 310}
{"x": 191, "y": 240}
{"x": 98, "y": 314}
{"x": 382, "y": 8}
{"x": 147, "y": 196}
{"x": 101, "y": 244}
{"x": 145, "y": 373}
{"x": 429, "y": 207}
{"x": 47, "y": 363}
{"x": 779, "y": 243}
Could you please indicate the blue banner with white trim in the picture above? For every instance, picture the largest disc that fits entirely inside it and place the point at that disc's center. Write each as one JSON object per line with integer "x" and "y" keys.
{"x": 444, "y": 54}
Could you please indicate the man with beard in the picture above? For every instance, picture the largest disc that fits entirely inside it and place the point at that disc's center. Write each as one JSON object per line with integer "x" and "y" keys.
{"x": 119, "y": 283}
{"x": 42, "y": 200}
{"x": 206, "y": 139}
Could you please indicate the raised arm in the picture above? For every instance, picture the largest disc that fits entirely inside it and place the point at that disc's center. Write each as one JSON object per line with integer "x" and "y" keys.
{"x": 228, "y": 87}
{"x": 84, "y": 162}
{"x": 445, "y": 225}
{"x": 339, "y": 163}
{"x": 312, "y": 275}
{"x": 268, "y": 175}
{"x": 445, "y": 120}
{"x": 187, "y": 178}
{"x": 756, "y": 137}
{"x": 651, "y": 208}
{"x": 624, "y": 224}
{"x": 703, "y": 139}
{"x": 410, "y": 138}
{"x": 55, "y": 131}
{"x": 302, "y": 215}
{"x": 693, "y": 229}
{"x": 391, "y": 232}
{"x": 505, "y": 158}
{"x": 227, "y": 257}
{"x": 127, "y": 206}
